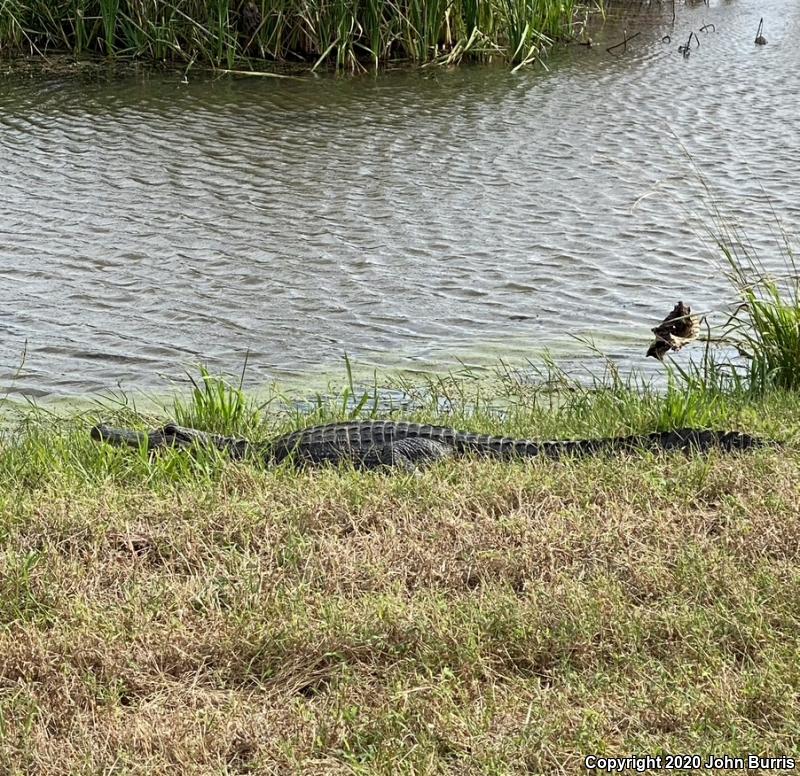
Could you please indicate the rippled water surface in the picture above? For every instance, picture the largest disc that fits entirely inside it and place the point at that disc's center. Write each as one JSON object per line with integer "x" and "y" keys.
{"x": 412, "y": 220}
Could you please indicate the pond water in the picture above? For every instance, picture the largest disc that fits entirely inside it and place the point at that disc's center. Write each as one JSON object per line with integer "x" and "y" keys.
{"x": 415, "y": 220}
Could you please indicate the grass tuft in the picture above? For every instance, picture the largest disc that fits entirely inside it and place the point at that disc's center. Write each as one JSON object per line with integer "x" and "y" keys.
{"x": 766, "y": 330}
{"x": 217, "y": 405}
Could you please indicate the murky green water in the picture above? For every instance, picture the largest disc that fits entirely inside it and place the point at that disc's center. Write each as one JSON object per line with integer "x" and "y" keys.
{"x": 413, "y": 220}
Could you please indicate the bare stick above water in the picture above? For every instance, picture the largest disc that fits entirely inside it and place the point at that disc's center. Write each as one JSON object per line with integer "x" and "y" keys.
{"x": 760, "y": 39}
{"x": 624, "y": 42}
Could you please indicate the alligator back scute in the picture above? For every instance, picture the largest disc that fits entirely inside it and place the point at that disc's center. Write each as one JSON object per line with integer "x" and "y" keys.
{"x": 368, "y": 445}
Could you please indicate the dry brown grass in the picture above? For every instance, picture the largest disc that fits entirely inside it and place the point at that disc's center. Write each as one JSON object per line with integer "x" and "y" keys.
{"x": 480, "y": 618}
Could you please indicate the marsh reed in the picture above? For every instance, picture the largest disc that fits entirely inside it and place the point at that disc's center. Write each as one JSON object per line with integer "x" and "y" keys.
{"x": 352, "y": 35}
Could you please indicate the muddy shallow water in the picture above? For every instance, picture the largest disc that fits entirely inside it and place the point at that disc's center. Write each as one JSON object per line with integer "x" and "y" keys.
{"x": 414, "y": 220}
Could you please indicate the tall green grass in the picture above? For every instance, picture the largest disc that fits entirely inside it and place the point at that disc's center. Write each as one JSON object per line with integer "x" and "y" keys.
{"x": 215, "y": 403}
{"x": 349, "y": 34}
{"x": 765, "y": 327}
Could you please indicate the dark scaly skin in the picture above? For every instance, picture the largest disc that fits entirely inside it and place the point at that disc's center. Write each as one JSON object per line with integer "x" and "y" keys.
{"x": 169, "y": 436}
{"x": 372, "y": 444}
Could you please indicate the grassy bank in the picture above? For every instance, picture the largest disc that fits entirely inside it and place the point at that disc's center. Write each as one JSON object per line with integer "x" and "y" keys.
{"x": 229, "y": 34}
{"x": 194, "y": 615}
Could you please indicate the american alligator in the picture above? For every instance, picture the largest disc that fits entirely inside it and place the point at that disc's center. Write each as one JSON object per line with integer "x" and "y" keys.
{"x": 372, "y": 444}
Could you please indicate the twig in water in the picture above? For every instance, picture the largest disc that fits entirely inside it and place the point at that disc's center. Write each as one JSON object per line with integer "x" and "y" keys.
{"x": 760, "y": 39}
{"x": 686, "y": 48}
{"x": 624, "y": 42}
{"x": 708, "y": 28}
{"x": 257, "y": 74}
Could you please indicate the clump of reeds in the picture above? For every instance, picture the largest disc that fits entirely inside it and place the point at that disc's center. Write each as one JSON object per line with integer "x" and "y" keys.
{"x": 766, "y": 327}
{"x": 351, "y": 35}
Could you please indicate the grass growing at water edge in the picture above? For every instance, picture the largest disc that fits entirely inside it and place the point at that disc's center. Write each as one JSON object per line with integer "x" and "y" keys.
{"x": 766, "y": 326}
{"x": 40, "y": 444}
{"x": 349, "y": 35}
{"x": 763, "y": 323}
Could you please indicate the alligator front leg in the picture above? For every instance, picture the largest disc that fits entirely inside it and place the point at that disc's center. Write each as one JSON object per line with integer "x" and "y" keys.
{"x": 407, "y": 454}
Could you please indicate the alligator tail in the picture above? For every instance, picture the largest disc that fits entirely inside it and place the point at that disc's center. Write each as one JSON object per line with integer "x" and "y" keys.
{"x": 685, "y": 439}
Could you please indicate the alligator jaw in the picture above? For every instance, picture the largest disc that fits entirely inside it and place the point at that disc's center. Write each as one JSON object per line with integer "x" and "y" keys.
{"x": 170, "y": 435}
{"x": 127, "y": 437}
{"x": 120, "y": 436}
